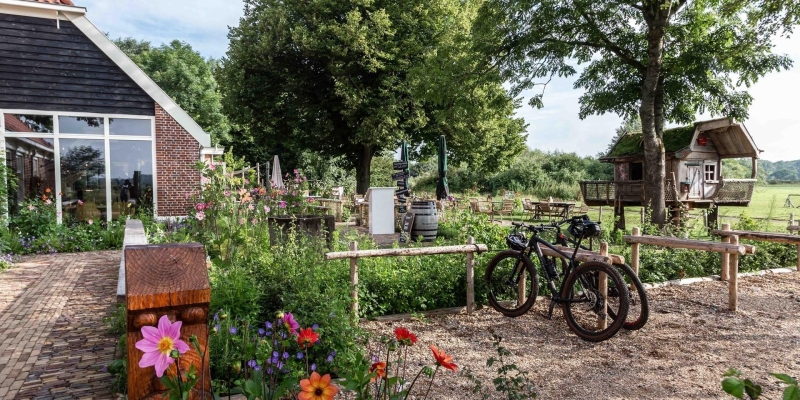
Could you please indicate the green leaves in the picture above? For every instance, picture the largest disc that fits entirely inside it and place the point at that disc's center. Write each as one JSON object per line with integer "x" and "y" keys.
{"x": 737, "y": 387}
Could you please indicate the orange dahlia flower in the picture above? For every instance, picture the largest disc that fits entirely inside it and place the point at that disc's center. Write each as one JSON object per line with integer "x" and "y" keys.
{"x": 380, "y": 368}
{"x": 404, "y": 337}
{"x": 443, "y": 359}
{"x": 317, "y": 388}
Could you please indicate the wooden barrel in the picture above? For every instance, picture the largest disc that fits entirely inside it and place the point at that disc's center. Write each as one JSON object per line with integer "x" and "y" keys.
{"x": 426, "y": 221}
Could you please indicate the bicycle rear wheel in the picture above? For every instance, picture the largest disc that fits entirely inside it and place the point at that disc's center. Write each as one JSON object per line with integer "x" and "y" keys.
{"x": 512, "y": 283}
{"x": 639, "y": 308}
{"x": 586, "y": 308}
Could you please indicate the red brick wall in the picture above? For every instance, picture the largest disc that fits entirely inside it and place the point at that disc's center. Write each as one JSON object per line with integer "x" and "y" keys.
{"x": 177, "y": 152}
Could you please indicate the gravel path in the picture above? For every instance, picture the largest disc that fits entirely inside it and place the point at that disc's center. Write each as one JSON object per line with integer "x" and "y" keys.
{"x": 690, "y": 340}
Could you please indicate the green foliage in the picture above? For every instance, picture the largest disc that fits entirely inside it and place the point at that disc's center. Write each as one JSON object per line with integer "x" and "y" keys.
{"x": 734, "y": 385}
{"x": 533, "y": 171}
{"x": 510, "y": 380}
{"x": 186, "y": 77}
{"x": 116, "y": 323}
{"x": 354, "y": 79}
{"x": 674, "y": 139}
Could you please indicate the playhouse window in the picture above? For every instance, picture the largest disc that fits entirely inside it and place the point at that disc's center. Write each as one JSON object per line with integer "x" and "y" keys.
{"x": 711, "y": 172}
{"x": 637, "y": 171}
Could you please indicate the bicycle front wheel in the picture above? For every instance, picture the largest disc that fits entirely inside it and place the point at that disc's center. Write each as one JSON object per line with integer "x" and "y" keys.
{"x": 586, "y": 308}
{"x": 639, "y": 309}
{"x": 512, "y": 283}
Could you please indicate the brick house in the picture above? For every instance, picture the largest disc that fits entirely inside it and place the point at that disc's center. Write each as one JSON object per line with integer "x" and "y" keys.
{"x": 81, "y": 119}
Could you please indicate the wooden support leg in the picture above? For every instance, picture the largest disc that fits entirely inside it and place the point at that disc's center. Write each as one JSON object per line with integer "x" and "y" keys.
{"x": 798, "y": 257}
{"x": 521, "y": 287}
{"x": 354, "y": 285}
{"x": 619, "y": 215}
{"x": 725, "y": 256}
{"x": 733, "y": 282}
{"x": 635, "y": 255}
{"x": 470, "y": 278}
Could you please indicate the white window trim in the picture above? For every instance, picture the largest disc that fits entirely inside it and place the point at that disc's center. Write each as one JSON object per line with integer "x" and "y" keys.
{"x": 716, "y": 172}
{"x": 106, "y": 137}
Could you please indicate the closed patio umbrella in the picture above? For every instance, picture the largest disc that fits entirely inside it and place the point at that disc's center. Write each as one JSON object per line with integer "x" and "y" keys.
{"x": 277, "y": 179}
{"x": 442, "y": 190}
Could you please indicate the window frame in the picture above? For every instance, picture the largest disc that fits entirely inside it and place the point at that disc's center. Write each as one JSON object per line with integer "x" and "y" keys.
{"x": 106, "y": 137}
{"x": 715, "y": 172}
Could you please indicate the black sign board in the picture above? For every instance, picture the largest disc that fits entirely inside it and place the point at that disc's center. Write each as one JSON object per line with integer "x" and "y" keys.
{"x": 405, "y": 228}
{"x": 400, "y": 175}
{"x": 401, "y": 192}
{"x": 400, "y": 165}
{"x": 402, "y": 210}
{"x": 402, "y": 185}
{"x": 401, "y": 199}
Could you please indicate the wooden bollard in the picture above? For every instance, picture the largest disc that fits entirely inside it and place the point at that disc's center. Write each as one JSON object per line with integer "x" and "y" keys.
{"x": 354, "y": 284}
{"x": 602, "y": 286}
{"x": 723, "y": 275}
{"x": 733, "y": 281}
{"x": 470, "y": 278}
{"x": 169, "y": 280}
{"x": 635, "y": 251}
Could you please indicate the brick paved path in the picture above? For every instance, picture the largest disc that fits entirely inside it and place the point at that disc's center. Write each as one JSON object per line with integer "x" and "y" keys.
{"x": 52, "y": 340}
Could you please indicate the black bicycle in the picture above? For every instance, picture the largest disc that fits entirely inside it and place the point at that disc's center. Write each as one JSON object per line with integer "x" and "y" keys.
{"x": 513, "y": 283}
{"x": 639, "y": 307}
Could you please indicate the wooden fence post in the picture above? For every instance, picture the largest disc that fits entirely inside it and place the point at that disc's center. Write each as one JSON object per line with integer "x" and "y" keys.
{"x": 602, "y": 286}
{"x": 642, "y": 214}
{"x": 354, "y": 284}
{"x": 470, "y": 278}
{"x": 733, "y": 282}
{"x": 635, "y": 252}
{"x": 723, "y": 275}
{"x": 600, "y": 218}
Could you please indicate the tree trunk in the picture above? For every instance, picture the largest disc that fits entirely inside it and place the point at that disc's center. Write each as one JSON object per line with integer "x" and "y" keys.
{"x": 364, "y": 162}
{"x": 652, "y": 116}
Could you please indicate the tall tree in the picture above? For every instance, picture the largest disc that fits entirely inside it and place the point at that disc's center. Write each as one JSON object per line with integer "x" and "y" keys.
{"x": 354, "y": 78}
{"x": 663, "y": 60}
{"x": 186, "y": 77}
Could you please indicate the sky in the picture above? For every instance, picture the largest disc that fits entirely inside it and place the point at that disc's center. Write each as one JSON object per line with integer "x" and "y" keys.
{"x": 774, "y": 119}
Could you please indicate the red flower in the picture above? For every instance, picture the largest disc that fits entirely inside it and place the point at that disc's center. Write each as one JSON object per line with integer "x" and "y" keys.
{"x": 443, "y": 359}
{"x": 380, "y": 368}
{"x": 405, "y": 337}
{"x": 307, "y": 338}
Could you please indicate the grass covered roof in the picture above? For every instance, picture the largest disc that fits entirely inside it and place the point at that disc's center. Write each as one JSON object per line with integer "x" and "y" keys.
{"x": 674, "y": 139}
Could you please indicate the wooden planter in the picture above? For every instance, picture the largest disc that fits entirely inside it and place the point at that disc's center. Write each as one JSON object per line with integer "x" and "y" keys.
{"x": 308, "y": 225}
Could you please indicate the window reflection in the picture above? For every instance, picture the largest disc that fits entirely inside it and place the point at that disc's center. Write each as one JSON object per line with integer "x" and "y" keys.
{"x": 19, "y": 123}
{"x": 83, "y": 179}
{"x": 81, "y": 125}
{"x": 129, "y": 127}
{"x": 131, "y": 176}
{"x": 31, "y": 164}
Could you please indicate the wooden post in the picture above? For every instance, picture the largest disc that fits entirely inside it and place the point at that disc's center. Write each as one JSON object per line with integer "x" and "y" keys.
{"x": 725, "y": 256}
{"x": 521, "y": 287}
{"x": 600, "y": 218}
{"x": 798, "y": 257}
{"x": 642, "y": 214}
{"x": 733, "y": 283}
{"x": 470, "y": 278}
{"x": 167, "y": 280}
{"x": 602, "y": 286}
{"x": 635, "y": 252}
{"x": 354, "y": 284}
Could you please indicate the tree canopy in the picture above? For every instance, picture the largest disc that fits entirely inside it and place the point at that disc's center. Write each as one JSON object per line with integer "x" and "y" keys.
{"x": 353, "y": 79}
{"x": 186, "y": 77}
{"x": 660, "y": 60}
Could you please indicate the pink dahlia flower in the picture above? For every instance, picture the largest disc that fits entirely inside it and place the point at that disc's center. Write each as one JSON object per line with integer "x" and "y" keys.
{"x": 157, "y": 344}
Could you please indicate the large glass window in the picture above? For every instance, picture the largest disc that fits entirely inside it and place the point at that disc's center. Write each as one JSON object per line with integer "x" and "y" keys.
{"x": 81, "y": 125}
{"x": 31, "y": 163}
{"x": 83, "y": 179}
{"x": 131, "y": 176}
{"x": 129, "y": 126}
{"x": 23, "y": 123}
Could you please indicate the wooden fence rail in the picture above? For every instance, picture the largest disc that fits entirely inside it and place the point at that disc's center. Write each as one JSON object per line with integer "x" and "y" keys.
{"x": 763, "y": 236}
{"x": 730, "y": 263}
{"x": 354, "y": 254}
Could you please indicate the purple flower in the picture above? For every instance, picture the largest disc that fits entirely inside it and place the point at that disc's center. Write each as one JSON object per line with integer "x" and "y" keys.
{"x": 291, "y": 323}
{"x": 268, "y": 325}
{"x": 314, "y": 327}
{"x": 257, "y": 368}
{"x": 313, "y": 367}
{"x": 216, "y": 316}
{"x": 300, "y": 355}
{"x": 285, "y": 355}
{"x": 261, "y": 332}
{"x": 282, "y": 204}
{"x": 330, "y": 359}
{"x": 104, "y": 369}
{"x": 233, "y": 330}
{"x": 216, "y": 328}
{"x": 252, "y": 364}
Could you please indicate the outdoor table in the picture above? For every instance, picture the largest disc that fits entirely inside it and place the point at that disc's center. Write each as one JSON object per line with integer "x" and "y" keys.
{"x": 566, "y": 206}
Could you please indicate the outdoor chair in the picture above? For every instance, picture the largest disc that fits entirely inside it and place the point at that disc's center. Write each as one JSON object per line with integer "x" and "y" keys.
{"x": 546, "y": 210}
{"x": 528, "y": 206}
{"x": 506, "y": 209}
